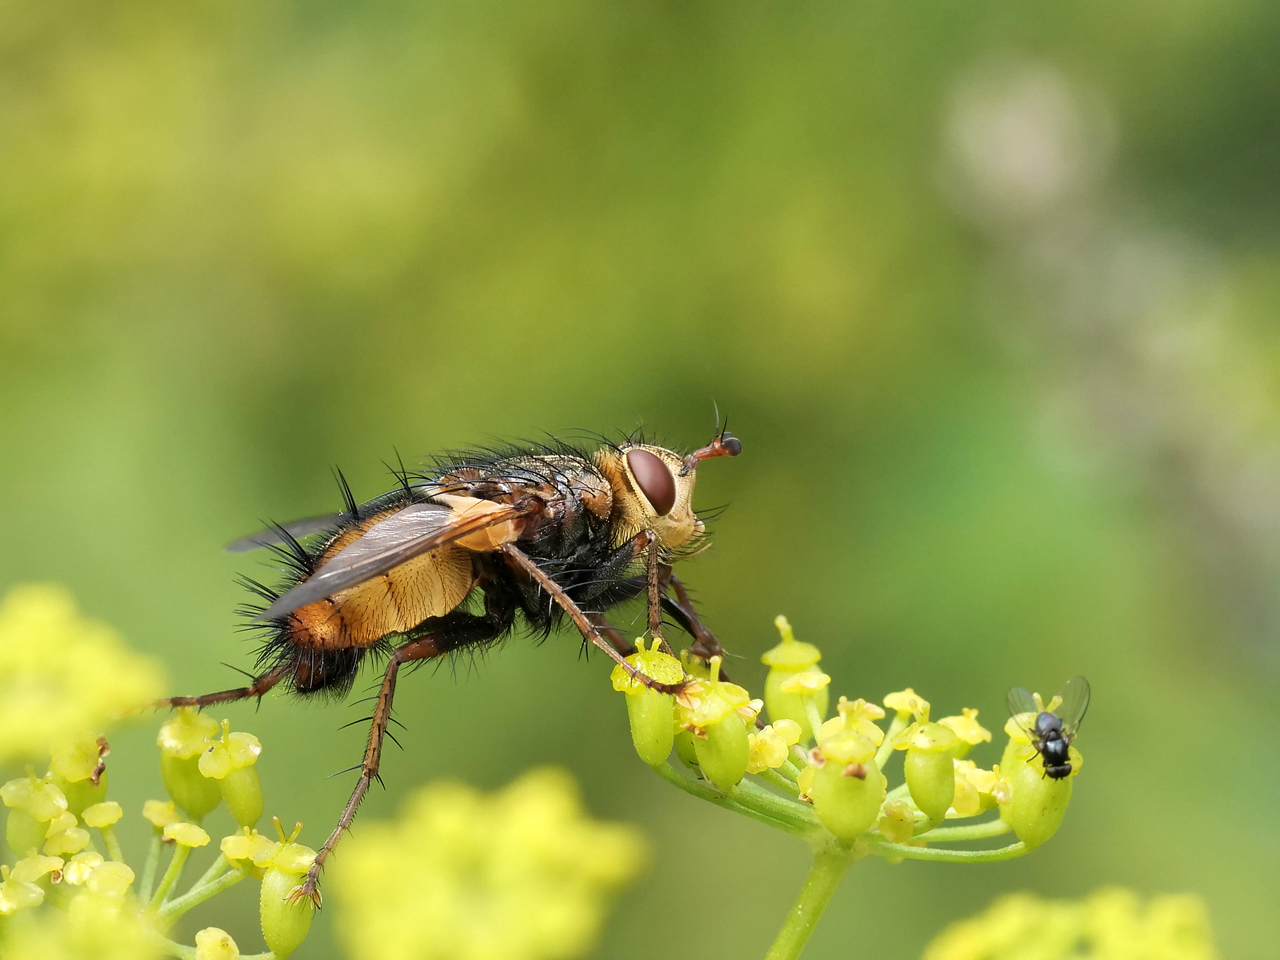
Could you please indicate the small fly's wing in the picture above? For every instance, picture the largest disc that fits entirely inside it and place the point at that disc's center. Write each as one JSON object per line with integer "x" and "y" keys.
{"x": 1075, "y": 701}
{"x": 405, "y": 534}
{"x": 1020, "y": 702}
{"x": 280, "y": 533}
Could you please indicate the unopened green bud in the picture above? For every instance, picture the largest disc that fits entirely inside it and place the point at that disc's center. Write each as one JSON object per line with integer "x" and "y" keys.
{"x": 230, "y": 761}
{"x": 285, "y": 919}
{"x": 242, "y": 790}
{"x": 652, "y": 714}
{"x": 182, "y": 740}
{"x": 929, "y": 766}
{"x": 847, "y": 796}
{"x": 84, "y": 793}
{"x": 686, "y": 751}
{"x": 1038, "y": 805}
{"x": 23, "y": 832}
{"x": 786, "y": 661}
{"x": 75, "y": 769}
{"x": 932, "y": 781}
{"x": 284, "y": 923}
{"x": 723, "y": 755}
{"x": 191, "y": 790}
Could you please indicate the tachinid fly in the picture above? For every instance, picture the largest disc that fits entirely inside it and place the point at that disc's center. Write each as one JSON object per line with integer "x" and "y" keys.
{"x": 458, "y": 555}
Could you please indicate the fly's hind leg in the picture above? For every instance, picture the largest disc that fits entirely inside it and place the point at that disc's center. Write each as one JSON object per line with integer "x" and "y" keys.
{"x": 258, "y": 688}
{"x": 457, "y": 630}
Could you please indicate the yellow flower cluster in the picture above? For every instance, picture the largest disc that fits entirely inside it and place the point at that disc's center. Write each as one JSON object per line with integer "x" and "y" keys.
{"x": 1111, "y": 923}
{"x": 521, "y": 874}
{"x": 63, "y": 677}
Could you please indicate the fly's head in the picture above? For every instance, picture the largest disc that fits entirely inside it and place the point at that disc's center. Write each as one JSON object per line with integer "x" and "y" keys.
{"x": 653, "y": 488}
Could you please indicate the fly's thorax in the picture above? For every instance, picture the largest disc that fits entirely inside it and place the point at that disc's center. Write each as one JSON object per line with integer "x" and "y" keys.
{"x": 651, "y": 491}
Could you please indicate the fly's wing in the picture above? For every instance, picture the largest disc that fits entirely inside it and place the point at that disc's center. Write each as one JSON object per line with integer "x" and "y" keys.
{"x": 281, "y": 532}
{"x": 1075, "y": 701}
{"x": 405, "y": 534}
{"x": 1022, "y": 702}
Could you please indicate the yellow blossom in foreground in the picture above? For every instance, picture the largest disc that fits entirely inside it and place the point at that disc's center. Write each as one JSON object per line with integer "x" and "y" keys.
{"x": 1111, "y": 923}
{"x": 770, "y": 747}
{"x": 94, "y": 927}
{"x": 907, "y": 701}
{"x": 521, "y": 874}
{"x": 63, "y": 677}
{"x": 213, "y": 943}
{"x": 161, "y": 813}
{"x": 186, "y": 834}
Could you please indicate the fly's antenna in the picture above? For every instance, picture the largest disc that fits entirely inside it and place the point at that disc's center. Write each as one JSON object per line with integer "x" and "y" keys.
{"x": 724, "y": 445}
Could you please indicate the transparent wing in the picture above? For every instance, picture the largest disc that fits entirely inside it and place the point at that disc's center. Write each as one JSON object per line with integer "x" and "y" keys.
{"x": 1022, "y": 702}
{"x": 1075, "y": 701}
{"x": 405, "y": 534}
{"x": 277, "y": 534}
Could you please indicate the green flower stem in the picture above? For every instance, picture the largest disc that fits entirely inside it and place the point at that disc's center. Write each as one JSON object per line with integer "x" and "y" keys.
{"x": 197, "y": 895}
{"x": 149, "y": 871}
{"x": 703, "y": 792}
{"x": 814, "y": 717}
{"x": 901, "y": 790}
{"x": 779, "y": 781}
{"x": 113, "y": 845}
{"x": 829, "y": 866}
{"x": 171, "y": 875}
{"x": 215, "y": 870}
{"x": 896, "y": 726}
{"x": 973, "y": 831}
{"x": 171, "y": 949}
{"x": 789, "y": 769}
{"x": 752, "y": 794}
{"x": 951, "y": 856}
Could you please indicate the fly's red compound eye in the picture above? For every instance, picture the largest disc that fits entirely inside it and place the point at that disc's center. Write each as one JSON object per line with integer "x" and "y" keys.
{"x": 654, "y": 480}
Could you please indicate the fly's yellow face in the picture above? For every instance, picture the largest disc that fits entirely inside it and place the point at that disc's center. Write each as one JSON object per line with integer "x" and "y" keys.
{"x": 652, "y": 490}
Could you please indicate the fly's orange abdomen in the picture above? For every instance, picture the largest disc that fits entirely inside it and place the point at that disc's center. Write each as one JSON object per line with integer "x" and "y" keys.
{"x": 427, "y": 586}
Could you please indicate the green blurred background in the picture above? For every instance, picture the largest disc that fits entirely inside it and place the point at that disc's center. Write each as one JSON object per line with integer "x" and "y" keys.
{"x": 987, "y": 290}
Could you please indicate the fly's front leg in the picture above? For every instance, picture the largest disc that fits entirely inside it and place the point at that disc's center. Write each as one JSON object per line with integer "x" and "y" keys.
{"x": 522, "y": 561}
{"x": 657, "y": 589}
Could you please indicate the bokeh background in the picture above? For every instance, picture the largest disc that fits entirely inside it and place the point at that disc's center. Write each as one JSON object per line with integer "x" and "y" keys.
{"x": 988, "y": 291}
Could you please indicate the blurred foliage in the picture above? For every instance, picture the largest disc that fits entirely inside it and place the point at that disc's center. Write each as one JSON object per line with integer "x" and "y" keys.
{"x": 987, "y": 291}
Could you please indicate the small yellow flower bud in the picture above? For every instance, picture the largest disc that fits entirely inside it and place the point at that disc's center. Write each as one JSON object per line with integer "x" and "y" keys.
{"x": 215, "y": 944}
{"x": 248, "y": 847}
{"x": 80, "y": 867}
{"x": 898, "y": 822}
{"x": 110, "y": 877}
{"x": 17, "y": 894}
{"x": 161, "y": 813}
{"x": 64, "y": 837}
{"x": 31, "y": 869}
{"x": 767, "y": 749}
{"x": 967, "y": 730}
{"x": 186, "y": 834}
{"x": 907, "y": 703}
{"x": 102, "y": 814}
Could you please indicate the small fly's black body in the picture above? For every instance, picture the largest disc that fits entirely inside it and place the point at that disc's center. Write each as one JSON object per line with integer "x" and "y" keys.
{"x": 1051, "y": 729}
{"x": 457, "y": 556}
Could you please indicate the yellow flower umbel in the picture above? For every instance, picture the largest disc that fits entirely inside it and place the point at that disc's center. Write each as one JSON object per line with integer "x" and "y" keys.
{"x": 521, "y": 874}
{"x": 63, "y": 677}
{"x": 1111, "y": 923}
